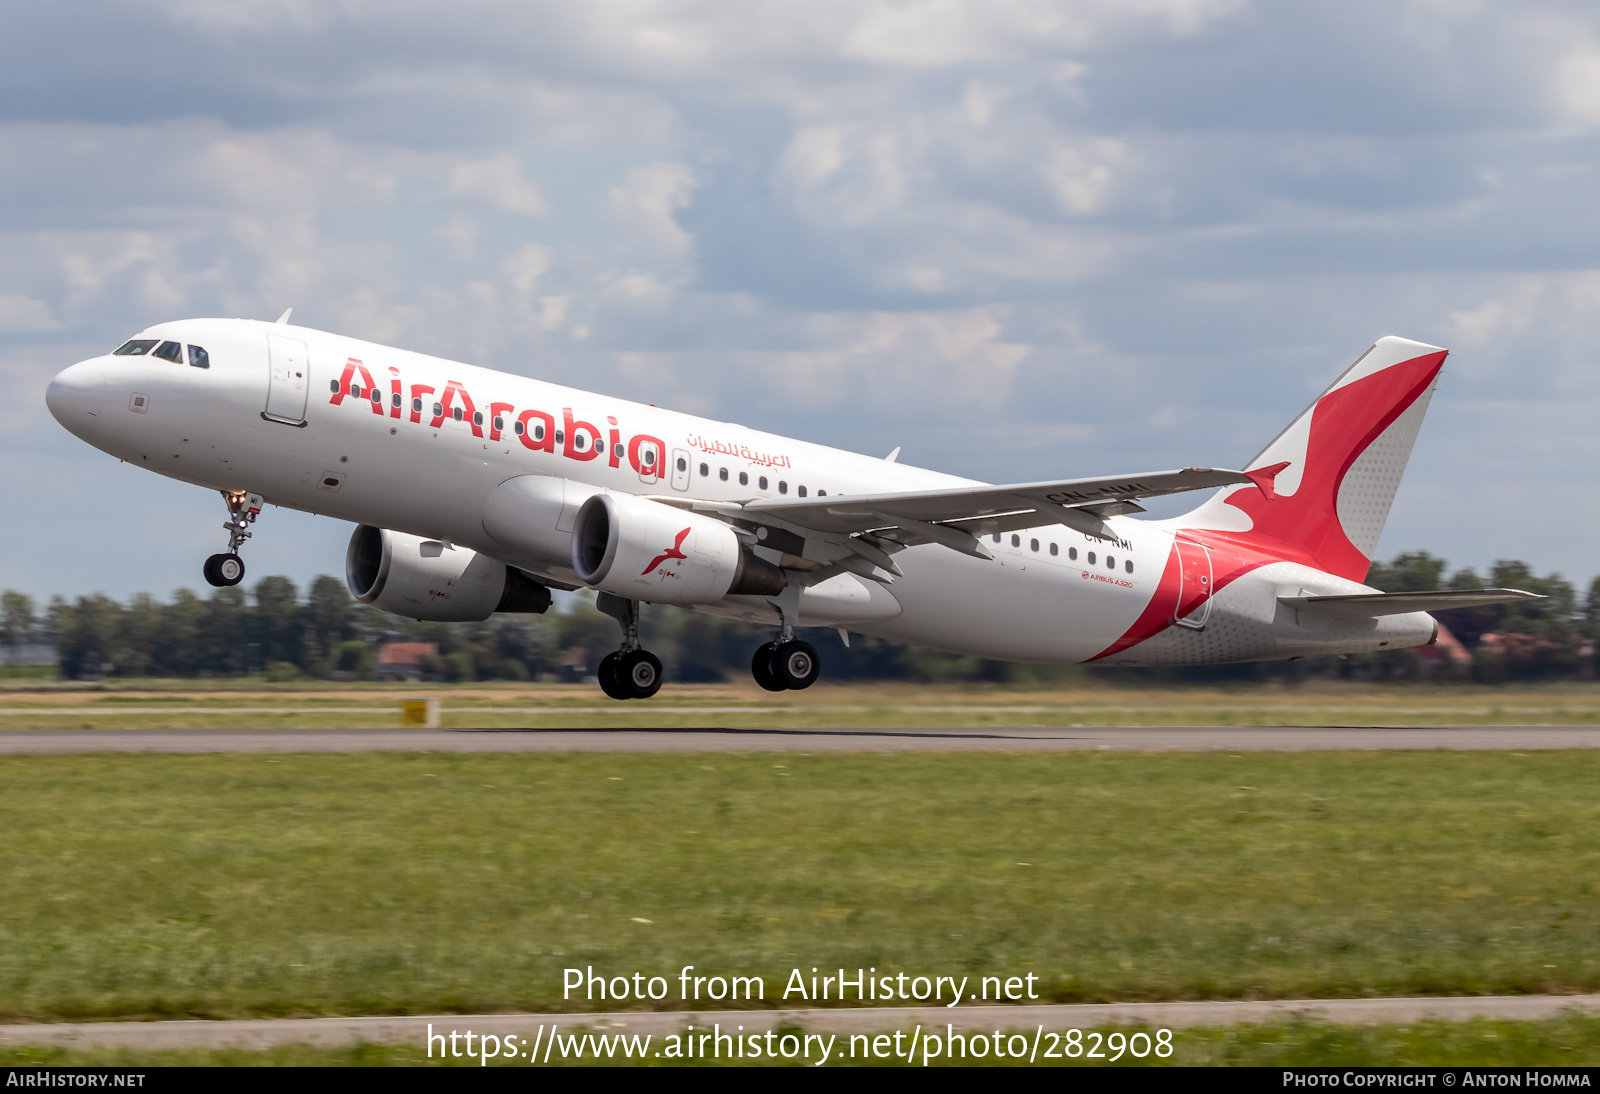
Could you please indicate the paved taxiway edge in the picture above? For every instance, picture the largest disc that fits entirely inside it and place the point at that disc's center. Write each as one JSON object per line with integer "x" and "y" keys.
{"x": 896, "y": 739}
{"x": 267, "y": 1032}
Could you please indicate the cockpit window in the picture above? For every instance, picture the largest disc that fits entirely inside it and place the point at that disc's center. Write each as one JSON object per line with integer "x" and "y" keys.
{"x": 170, "y": 351}
{"x": 136, "y": 347}
{"x": 199, "y": 358}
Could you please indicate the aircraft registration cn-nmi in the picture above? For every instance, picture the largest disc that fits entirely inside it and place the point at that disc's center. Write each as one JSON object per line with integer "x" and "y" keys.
{"x": 477, "y": 491}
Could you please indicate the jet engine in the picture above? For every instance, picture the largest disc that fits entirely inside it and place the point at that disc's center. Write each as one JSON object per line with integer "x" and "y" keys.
{"x": 438, "y": 582}
{"x": 644, "y": 550}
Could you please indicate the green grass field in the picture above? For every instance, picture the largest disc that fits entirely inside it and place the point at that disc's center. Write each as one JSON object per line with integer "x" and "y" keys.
{"x": 248, "y": 885}
{"x": 1569, "y": 1041}
{"x": 143, "y": 704}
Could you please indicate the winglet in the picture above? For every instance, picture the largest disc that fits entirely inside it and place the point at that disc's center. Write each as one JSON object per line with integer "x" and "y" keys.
{"x": 1264, "y": 477}
{"x": 891, "y": 457}
{"x": 283, "y": 320}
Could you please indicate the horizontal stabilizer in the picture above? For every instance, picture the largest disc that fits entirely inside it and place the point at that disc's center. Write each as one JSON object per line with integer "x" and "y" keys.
{"x": 1368, "y": 605}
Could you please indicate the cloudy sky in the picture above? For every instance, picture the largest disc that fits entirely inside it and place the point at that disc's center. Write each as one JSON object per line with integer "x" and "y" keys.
{"x": 1020, "y": 238}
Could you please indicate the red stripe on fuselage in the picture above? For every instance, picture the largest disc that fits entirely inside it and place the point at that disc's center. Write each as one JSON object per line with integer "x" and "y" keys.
{"x": 1230, "y": 560}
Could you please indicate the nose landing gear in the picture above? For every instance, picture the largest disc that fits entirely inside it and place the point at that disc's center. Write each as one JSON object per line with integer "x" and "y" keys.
{"x": 227, "y": 568}
{"x": 631, "y": 672}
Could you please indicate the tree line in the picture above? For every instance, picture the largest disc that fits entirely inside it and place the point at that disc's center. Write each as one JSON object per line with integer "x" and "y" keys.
{"x": 274, "y": 631}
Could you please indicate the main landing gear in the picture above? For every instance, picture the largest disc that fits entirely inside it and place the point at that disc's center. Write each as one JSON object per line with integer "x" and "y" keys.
{"x": 228, "y": 568}
{"x": 786, "y": 663}
{"x": 631, "y": 672}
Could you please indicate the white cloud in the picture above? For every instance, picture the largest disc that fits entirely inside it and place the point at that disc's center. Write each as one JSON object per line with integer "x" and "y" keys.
{"x": 949, "y": 359}
{"x": 645, "y": 206}
{"x": 1081, "y": 174}
{"x": 1577, "y": 83}
{"x": 498, "y": 183}
{"x": 23, "y": 313}
{"x": 526, "y": 266}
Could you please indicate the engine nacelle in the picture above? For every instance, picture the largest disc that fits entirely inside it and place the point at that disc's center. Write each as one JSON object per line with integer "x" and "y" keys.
{"x": 426, "y": 579}
{"x": 644, "y": 550}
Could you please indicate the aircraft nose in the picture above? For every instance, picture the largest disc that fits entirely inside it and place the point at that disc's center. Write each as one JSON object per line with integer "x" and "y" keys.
{"x": 76, "y": 393}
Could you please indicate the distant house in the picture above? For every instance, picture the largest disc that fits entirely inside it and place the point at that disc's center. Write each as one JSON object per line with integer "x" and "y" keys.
{"x": 574, "y": 667}
{"x": 405, "y": 660}
{"x": 1445, "y": 649}
{"x": 30, "y": 653}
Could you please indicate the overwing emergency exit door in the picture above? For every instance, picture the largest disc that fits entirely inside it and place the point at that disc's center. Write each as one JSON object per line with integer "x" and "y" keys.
{"x": 288, "y": 372}
{"x": 1194, "y": 584}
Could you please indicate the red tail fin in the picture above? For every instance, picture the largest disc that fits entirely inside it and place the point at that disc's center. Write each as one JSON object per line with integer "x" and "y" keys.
{"x": 1325, "y": 485}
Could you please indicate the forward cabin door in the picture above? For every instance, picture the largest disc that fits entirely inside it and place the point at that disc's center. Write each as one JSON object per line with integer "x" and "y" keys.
{"x": 650, "y": 460}
{"x": 1194, "y": 584}
{"x": 288, "y": 374}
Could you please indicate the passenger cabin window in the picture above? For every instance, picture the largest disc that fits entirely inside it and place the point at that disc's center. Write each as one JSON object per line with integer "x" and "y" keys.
{"x": 438, "y": 410}
{"x": 822, "y": 493}
{"x": 1127, "y": 564}
{"x": 199, "y": 358}
{"x": 1033, "y": 545}
{"x": 333, "y": 386}
{"x": 1055, "y": 550}
{"x": 783, "y": 487}
{"x": 538, "y": 431}
{"x": 377, "y": 396}
{"x": 801, "y": 491}
{"x": 355, "y": 391}
{"x": 477, "y": 417}
{"x": 457, "y": 413}
{"x": 136, "y": 347}
{"x": 1072, "y": 553}
{"x": 580, "y": 441}
{"x": 499, "y": 423}
{"x": 599, "y": 445}
{"x": 394, "y": 400}
{"x": 722, "y": 473}
{"x": 1111, "y": 563}
{"x": 416, "y": 406}
{"x": 170, "y": 351}
{"x": 995, "y": 537}
{"x": 1091, "y": 558}
{"x": 762, "y": 482}
{"x": 562, "y": 439}
{"x": 744, "y": 478}
{"x": 517, "y": 427}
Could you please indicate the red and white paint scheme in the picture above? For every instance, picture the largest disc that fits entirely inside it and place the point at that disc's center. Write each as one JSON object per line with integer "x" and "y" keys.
{"x": 477, "y": 491}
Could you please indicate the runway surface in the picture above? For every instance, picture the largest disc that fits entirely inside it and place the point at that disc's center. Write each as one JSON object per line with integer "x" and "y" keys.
{"x": 990, "y": 739}
{"x": 264, "y": 1033}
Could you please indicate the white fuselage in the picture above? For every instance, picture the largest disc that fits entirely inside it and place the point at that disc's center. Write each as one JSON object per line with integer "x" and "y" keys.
{"x": 419, "y": 472}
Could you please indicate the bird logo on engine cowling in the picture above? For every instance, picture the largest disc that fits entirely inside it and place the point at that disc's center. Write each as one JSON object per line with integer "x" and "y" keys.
{"x": 675, "y": 551}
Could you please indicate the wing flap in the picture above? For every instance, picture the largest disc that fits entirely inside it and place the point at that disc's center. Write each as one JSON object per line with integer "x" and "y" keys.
{"x": 1370, "y": 605}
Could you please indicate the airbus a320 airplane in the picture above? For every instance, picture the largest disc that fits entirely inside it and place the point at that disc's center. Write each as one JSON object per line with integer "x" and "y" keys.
{"x": 477, "y": 491}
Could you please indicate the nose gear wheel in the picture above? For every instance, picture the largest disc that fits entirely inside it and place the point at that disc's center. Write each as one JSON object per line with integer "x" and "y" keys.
{"x": 631, "y": 672}
{"x": 224, "y": 570}
{"x": 227, "y": 569}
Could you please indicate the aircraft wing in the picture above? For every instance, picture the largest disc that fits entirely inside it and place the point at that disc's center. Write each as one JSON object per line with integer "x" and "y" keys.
{"x": 859, "y": 532}
{"x": 1103, "y": 496}
{"x": 1368, "y": 605}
